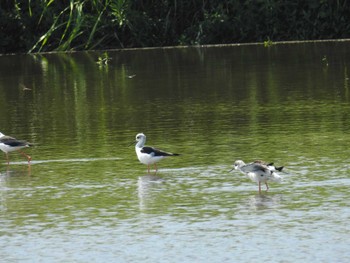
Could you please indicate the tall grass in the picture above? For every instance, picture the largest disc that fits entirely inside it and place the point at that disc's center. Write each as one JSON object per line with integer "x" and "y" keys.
{"x": 45, "y": 25}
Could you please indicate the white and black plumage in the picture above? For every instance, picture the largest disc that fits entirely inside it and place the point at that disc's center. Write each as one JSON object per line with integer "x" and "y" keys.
{"x": 270, "y": 166}
{"x": 259, "y": 172}
{"x": 10, "y": 144}
{"x": 149, "y": 155}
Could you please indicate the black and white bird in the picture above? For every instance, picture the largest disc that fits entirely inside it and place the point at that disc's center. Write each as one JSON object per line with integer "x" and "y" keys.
{"x": 10, "y": 144}
{"x": 259, "y": 172}
{"x": 149, "y": 155}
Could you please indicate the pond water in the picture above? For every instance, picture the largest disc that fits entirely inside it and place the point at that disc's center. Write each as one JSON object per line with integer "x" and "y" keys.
{"x": 86, "y": 197}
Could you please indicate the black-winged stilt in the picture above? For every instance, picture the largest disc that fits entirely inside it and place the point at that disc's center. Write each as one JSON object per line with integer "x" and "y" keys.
{"x": 10, "y": 144}
{"x": 259, "y": 172}
{"x": 149, "y": 155}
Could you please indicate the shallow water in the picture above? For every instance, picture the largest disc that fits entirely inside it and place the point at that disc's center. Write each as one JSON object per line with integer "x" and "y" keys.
{"x": 86, "y": 198}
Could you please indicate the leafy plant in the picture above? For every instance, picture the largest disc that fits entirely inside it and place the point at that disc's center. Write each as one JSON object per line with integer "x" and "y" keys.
{"x": 47, "y": 25}
{"x": 103, "y": 59}
{"x": 268, "y": 43}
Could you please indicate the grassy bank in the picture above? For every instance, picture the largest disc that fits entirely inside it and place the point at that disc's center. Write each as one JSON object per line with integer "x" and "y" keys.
{"x": 47, "y": 25}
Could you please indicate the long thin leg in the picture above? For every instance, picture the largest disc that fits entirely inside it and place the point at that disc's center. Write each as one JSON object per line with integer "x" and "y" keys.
{"x": 27, "y": 156}
{"x": 148, "y": 168}
{"x": 267, "y": 187}
{"x": 155, "y": 167}
{"x": 259, "y": 187}
{"x": 7, "y": 158}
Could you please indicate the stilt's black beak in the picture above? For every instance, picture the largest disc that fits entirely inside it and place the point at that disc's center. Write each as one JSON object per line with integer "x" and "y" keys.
{"x": 131, "y": 143}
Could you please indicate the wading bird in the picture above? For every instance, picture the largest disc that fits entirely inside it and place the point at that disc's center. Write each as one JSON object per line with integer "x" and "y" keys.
{"x": 149, "y": 155}
{"x": 10, "y": 144}
{"x": 259, "y": 172}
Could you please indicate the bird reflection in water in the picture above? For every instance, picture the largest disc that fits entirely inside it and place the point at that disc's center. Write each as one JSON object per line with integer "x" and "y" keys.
{"x": 147, "y": 187}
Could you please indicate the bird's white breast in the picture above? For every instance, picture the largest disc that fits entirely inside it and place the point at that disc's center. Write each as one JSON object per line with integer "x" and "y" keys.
{"x": 146, "y": 158}
{"x": 6, "y": 148}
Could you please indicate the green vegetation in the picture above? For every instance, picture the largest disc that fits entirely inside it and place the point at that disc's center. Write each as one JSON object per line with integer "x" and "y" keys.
{"x": 47, "y": 25}
{"x": 103, "y": 59}
{"x": 268, "y": 43}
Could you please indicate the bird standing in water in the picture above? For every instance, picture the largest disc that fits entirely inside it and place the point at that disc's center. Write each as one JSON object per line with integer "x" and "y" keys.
{"x": 10, "y": 144}
{"x": 259, "y": 172}
{"x": 149, "y": 155}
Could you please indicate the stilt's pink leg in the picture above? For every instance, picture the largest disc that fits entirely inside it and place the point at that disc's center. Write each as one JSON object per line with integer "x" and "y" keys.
{"x": 267, "y": 187}
{"x": 27, "y": 156}
{"x": 7, "y": 158}
{"x": 259, "y": 187}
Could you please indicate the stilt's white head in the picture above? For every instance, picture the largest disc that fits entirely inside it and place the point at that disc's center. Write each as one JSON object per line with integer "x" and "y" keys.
{"x": 140, "y": 139}
{"x": 238, "y": 164}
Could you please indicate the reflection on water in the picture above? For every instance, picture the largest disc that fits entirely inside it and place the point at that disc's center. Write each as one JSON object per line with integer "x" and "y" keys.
{"x": 87, "y": 198}
{"x": 76, "y": 160}
{"x": 265, "y": 201}
{"x": 146, "y": 188}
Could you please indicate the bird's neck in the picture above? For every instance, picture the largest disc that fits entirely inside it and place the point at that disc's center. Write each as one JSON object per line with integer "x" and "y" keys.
{"x": 140, "y": 143}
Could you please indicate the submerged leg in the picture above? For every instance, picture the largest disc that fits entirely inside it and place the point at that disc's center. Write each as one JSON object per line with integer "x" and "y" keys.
{"x": 7, "y": 158}
{"x": 27, "y": 156}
